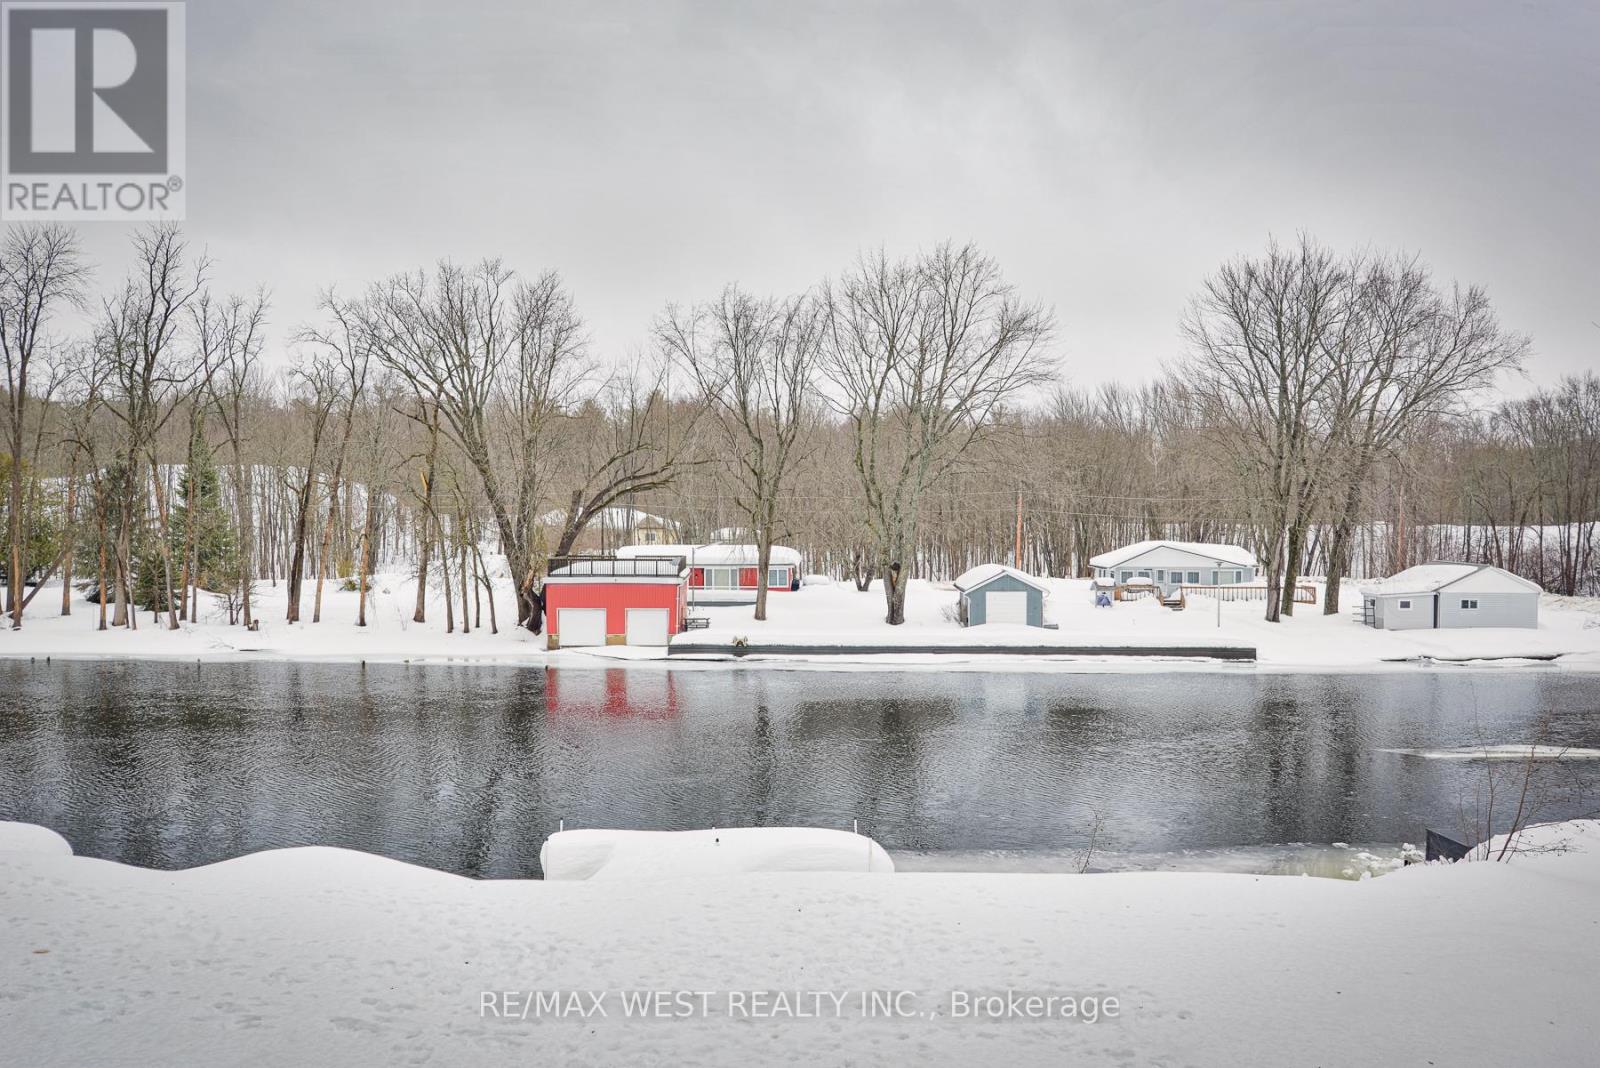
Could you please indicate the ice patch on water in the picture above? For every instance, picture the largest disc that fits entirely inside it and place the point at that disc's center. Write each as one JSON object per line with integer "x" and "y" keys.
{"x": 1501, "y": 752}
{"x": 1338, "y": 861}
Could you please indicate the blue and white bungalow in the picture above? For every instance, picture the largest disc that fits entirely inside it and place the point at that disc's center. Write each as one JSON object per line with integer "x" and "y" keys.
{"x": 1170, "y": 564}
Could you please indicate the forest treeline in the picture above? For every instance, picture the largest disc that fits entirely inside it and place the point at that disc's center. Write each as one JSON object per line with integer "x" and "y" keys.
{"x": 1337, "y": 414}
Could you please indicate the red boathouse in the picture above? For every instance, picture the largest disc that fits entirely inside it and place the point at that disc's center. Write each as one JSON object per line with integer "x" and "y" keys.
{"x": 605, "y": 600}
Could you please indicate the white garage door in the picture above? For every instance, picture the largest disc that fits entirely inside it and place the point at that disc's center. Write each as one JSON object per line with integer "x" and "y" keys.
{"x": 1006, "y": 607}
{"x": 581, "y": 626}
{"x": 647, "y": 626}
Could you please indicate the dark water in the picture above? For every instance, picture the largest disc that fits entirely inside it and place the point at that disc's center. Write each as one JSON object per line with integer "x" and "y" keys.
{"x": 467, "y": 769}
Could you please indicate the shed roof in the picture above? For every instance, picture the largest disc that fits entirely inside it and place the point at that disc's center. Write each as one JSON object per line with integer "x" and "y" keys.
{"x": 1228, "y": 554}
{"x": 986, "y": 573}
{"x": 1432, "y": 577}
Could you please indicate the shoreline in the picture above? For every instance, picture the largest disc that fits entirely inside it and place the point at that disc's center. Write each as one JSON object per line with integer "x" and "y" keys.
{"x": 952, "y": 660}
{"x": 829, "y": 627}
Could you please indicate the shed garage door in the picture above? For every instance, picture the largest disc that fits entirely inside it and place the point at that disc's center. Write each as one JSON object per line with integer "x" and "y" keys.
{"x": 581, "y": 626}
{"x": 1006, "y": 606}
{"x": 647, "y": 626}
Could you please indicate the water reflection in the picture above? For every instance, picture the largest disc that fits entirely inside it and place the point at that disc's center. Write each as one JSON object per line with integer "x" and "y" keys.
{"x": 466, "y": 769}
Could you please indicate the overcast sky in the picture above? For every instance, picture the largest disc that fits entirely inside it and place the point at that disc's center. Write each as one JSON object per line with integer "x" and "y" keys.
{"x": 1108, "y": 155}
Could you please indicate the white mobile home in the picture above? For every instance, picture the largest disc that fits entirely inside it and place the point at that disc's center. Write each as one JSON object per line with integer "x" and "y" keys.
{"x": 1451, "y": 595}
{"x": 1170, "y": 564}
{"x": 726, "y": 574}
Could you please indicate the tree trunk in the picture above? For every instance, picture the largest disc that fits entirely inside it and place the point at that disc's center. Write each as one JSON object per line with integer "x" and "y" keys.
{"x": 297, "y": 564}
{"x": 327, "y": 543}
{"x": 246, "y": 538}
{"x": 466, "y": 625}
{"x": 121, "y": 617}
{"x": 165, "y": 543}
{"x": 763, "y": 560}
{"x": 14, "y": 533}
{"x": 70, "y": 535}
{"x": 188, "y": 532}
{"x": 1339, "y": 546}
{"x": 1291, "y": 565}
{"x": 894, "y": 593}
{"x": 361, "y": 576}
{"x": 421, "y": 613}
{"x": 444, "y": 581}
{"x": 103, "y": 593}
{"x": 488, "y": 589}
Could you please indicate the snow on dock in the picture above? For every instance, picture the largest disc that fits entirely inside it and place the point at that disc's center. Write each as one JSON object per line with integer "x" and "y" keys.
{"x": 609, "y": 854}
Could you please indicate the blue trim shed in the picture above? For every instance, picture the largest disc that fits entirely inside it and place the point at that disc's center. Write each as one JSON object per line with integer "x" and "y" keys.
{"x": 994, "y": 593}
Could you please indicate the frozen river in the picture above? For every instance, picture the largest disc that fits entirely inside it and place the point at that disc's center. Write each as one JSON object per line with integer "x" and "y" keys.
{"x": 171, "y": 765}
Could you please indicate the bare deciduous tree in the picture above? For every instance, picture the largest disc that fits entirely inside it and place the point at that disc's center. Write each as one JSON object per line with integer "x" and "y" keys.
{"x": 922, "y": 355}
{"x": 1264, "y": 333}
{"x": 149, "y": 375}
{"x": 754, "y": 361}
{"x": 41, "y": 271}
{"x": 1408, "y": 354}
{"x": 499, "y": 357}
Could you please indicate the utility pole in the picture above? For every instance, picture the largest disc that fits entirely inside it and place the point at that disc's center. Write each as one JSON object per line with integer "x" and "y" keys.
{"x": 1216, "y": 591}
{"x": 1017, "y": 555}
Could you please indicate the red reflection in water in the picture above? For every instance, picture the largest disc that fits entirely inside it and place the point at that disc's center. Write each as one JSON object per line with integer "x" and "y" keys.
{"x": 643, "y": 694}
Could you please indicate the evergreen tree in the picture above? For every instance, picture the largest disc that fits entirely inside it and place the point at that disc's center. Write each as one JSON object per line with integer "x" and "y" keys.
{"x": 215, "y": 549}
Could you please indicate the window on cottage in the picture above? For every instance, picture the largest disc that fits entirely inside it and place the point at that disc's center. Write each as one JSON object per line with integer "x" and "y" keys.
{"x": 722, "y": 578}
{"x": 777, "y": 576}
{"x": 1469, "y": 604}
{"x": 1405, "y": 604}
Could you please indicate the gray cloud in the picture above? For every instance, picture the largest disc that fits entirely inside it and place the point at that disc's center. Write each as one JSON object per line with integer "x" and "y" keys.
{"x": 1109, "y": 155}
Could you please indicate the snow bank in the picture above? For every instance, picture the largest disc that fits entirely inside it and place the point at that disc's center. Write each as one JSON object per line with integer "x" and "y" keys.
{"x": 330, "y": 957}
{"x": 31, "y": 838}
{"x": 605, "y": 854}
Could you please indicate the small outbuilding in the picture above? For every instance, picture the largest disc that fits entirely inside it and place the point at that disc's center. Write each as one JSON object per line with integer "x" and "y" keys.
{"x": 1173, "y": 564}
{"x": 605, "y": 600}
{"x": 994, "y": 593}
{"x": 1451, "y": 595}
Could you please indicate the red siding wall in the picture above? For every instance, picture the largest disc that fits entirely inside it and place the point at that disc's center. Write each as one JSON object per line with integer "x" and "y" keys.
{"x": 747, "y": 577}
{"x": 616, "y": 598}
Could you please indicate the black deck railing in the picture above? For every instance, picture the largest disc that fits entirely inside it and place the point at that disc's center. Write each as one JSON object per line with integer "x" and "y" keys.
{"x": 615, "y": 567}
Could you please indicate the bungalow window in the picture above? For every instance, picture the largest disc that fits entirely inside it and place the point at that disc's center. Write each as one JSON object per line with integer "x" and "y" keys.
{"x": 1469, "y": 604}
{"x": 722, "y": 578}
{"x": 777, "y": 576}
{"x": 1194, "y": 578}
{"x": 1126, "y": 575}
{"x": 1405, "y": 605}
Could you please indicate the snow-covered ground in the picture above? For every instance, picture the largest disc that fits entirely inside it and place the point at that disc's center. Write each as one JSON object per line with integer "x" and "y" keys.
{"x": 837, "y": 614}
{"x": 324, "y": 956}
{"x": 820, "y": 614}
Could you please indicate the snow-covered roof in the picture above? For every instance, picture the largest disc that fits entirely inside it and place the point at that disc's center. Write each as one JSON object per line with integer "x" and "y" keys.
{"x": 617, "y": 569}
{"x": 614, "y": 516}
{"x": 714, "y": 555}
{"x": 1228, "y": 554}
{"x": 1432, "y": 577}
{"x": 977, "y": 576}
